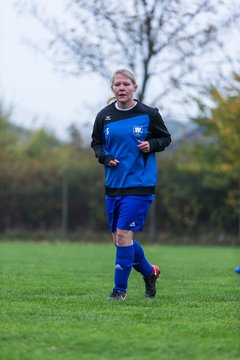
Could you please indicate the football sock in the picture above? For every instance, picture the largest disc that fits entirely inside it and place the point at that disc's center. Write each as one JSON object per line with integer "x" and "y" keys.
{"x": 140, "y": 263}
{"x": 123, "y": 266}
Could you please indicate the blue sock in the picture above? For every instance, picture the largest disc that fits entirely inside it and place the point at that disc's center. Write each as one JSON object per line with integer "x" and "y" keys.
{"x": 123, "y": 267}
{"x": 140, "y": 263}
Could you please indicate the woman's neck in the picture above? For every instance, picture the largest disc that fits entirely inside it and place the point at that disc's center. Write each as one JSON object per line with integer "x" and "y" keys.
{"x": 125, "y": 106}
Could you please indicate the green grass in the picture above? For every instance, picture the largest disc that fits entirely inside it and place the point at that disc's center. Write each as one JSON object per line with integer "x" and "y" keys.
{"x": 53, "y": 304}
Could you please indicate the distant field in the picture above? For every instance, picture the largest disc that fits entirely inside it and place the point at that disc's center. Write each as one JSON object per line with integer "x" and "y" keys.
{"x": 53, "y": 304}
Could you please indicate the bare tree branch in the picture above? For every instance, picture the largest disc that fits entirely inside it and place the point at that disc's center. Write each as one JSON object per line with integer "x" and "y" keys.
{"x": 170, "y": 43}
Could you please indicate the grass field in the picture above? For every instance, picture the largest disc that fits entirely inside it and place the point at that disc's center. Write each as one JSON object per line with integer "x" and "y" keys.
{"x": 53, "y": 304}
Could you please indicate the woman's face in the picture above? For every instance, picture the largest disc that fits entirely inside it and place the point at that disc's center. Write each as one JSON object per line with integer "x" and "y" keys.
{"x": 123, "y": 89}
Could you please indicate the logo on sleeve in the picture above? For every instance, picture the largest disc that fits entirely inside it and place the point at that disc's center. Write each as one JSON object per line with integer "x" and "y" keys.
{"x": 108, "y": 118}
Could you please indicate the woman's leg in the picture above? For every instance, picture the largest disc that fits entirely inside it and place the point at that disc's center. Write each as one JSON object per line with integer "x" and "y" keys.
{"x": 124, "y": 259}
{"x": 140, "y": 262}
{"x": 124, "y": 214}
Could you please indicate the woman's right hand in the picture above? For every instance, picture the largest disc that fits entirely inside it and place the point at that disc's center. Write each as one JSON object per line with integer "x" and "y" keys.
{"x": 113, "y": 163}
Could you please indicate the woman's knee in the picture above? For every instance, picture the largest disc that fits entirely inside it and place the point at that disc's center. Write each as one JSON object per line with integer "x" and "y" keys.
{"x": 123, "y": 237}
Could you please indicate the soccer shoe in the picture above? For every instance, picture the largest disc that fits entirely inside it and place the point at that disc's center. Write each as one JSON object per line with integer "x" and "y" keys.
{"x": 117, "y": 295}
{"x": 150, "y": 282}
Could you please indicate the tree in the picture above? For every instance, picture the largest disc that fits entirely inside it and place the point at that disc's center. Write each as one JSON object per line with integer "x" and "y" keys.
{"x": 169, "y": 44}
{"x": 222, "y": 128}
{"x": 8, "y": 136}
{"x": 218, "y": 157}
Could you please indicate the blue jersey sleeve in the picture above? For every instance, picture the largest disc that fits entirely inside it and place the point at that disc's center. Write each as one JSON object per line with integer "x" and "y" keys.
{"x": 160, "y": 137}
{"x": 98, "y": 142}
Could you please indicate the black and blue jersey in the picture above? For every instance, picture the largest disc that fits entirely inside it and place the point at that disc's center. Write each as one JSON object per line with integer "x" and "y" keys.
{"x": 115, "y": 136}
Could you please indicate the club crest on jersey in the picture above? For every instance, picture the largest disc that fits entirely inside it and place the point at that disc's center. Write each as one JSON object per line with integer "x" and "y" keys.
{"x": 137, "y": 130}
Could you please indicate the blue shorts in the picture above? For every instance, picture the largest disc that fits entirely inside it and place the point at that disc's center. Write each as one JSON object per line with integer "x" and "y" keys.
{"x": 127, "y": 212}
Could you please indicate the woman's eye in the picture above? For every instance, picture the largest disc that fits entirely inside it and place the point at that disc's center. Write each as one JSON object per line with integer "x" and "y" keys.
{"x": 124, "y": 84}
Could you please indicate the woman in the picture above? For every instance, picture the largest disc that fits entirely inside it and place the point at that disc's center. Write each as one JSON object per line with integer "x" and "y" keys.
{"x": 125, "y": 137}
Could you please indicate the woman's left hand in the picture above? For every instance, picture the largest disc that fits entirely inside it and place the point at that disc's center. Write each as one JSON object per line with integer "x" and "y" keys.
{"x": 144, "y": 146}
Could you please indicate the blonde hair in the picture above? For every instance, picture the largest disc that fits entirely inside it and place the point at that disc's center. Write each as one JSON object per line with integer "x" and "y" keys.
{"x": 125, "y": 72}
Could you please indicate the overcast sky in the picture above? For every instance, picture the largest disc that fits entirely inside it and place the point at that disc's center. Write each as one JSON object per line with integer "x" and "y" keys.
{"x": 39, "y": 95}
